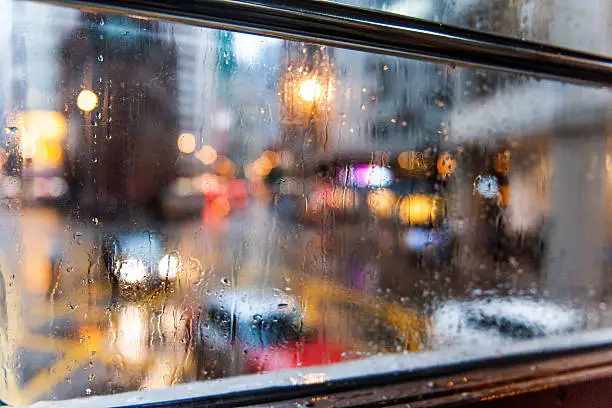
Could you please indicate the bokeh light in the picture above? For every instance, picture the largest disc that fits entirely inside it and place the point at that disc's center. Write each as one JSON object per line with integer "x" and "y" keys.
{"x": 418, "y": 209}
{"x": 310, "y": 90}
{"x": 132, "y": 270}
{"x": 220, "y": 206}
{"x": 207, "y": 155}
{"x": 87, "y": 100}
{"x": 169, "y": 266}
{"x": 186, "y": 143}
{"x": 381, "y": 202}
{"x": 224, "y": 167}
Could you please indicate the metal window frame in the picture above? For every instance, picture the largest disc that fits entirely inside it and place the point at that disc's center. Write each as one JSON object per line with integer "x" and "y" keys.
{"x": 339, "y": 25}
{"x": 378, "y": 32}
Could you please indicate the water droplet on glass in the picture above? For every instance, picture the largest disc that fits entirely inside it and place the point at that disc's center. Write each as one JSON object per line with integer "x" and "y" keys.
{"x": 92, "y": 377}
{"x": 10, "y": 130}
{"x": 101, "y": 21}
{"x": 78, "y": 238}
{"x": 101, "y": 58}
{"x": 95, "y": 221}
{"x": 70, "y": 269}
{"x": 87, "y": 391}
{"x": 98, "y": 115}
{"x": 225, "y": 282}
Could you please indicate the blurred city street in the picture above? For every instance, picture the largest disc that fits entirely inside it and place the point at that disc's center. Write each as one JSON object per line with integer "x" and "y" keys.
{"x": 244, "y": 294}
{"x": 180, "y": 203}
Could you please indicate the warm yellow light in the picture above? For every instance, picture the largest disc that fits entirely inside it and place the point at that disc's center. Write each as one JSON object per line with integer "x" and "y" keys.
{"x": 502, "y": 162}
{"x": 262, "y": 166}
{"x": 310, "y": 90}
{"x": 224, "y": 167}
{"x": 381, "y": 202}
{"x": 418, "y": 209}
{"x": 405, "y": 160}
{"x": 48, "y": 125}
{"x": 273, "y": 157}
{"x": 446, "y": 165}
{"x": 87, "y": 100}
{"x": 207, "y": 155}
{"x": 186, "y": 143}
{"x": 47, "y": 155}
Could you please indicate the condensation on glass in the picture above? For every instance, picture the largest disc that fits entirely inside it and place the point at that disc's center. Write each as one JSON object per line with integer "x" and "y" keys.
{"x": 181, "y": 204}
{"x": 585, "y": 26}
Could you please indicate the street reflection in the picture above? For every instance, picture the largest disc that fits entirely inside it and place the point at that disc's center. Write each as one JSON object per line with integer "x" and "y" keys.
{"x": 181, "y": 204}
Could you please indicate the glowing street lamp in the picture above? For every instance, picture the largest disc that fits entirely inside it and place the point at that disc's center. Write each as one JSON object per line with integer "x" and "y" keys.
{"x": 310, "y": 90}
{"x": 87, "y": 100}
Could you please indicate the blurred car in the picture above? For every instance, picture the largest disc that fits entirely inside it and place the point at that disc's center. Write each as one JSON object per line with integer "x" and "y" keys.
{"x": 497, "y": 320}
{"x": 268, "y": 327}
{"x": 137, "y": 262}
{"x": 254, "y": 318}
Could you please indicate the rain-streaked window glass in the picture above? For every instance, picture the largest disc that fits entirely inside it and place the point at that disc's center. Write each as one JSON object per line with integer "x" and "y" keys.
{"x": 182, "y": 204}
{"x": 582, "y": 25}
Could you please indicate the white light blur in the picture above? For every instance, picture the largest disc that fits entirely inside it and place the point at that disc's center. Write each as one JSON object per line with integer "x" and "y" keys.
{"x": 249, "y": 47}
{"x": 222, "y": 119}
{"x": 170, "y": 265}
{"x": 417, "y": 239}
{"x": 367, "y": 176}
{"x": 487, "y": 186}
{"x": 380, "y": 177}
{"x": 132, "y": 331}
{"x": 132, "y": 270}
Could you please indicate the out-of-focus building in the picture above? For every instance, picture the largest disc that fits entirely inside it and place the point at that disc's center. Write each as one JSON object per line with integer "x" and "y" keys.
{"x": 119, "y": 92}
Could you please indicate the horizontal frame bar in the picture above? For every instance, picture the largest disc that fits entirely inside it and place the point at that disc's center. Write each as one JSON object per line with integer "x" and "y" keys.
{"x": 361, "y": 29}
{"x": 424, "y": 379}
